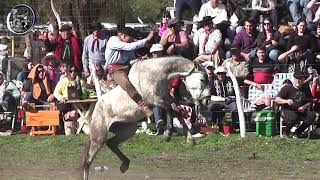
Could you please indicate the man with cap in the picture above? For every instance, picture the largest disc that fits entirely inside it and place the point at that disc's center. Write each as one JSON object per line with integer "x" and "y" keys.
{"x": 94, "y": 47}
{"x": 208, "y": 40}
{"x": 68, "y": 48}
{"x": 238, "y": 65}
{"x": 174, "y": 40}
{"x": 296, "y": 101}
{"x": 119, "y": 53}
{"x": 222, "y": 89}
{"x": 156, "y": 50}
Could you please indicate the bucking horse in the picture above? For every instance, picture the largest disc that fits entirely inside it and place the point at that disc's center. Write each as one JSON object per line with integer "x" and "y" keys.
{"x": 116, "y": 112}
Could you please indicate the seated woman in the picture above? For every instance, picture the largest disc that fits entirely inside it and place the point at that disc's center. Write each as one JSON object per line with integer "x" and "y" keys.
{"x": 9, "y": 94}
{"x": 271, "y": 39}
{"x": 37, "y": 89}
{"x": 61, "y": 94}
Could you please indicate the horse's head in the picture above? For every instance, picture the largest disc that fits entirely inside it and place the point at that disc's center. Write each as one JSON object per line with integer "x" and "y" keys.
{"x": 197, "y": 83}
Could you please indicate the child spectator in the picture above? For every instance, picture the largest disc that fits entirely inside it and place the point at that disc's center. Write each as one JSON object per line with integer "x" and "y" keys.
{"x": 26, "y": 68}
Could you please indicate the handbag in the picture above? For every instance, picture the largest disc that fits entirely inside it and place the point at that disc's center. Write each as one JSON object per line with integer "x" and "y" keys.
{"x": 73, "y": 93}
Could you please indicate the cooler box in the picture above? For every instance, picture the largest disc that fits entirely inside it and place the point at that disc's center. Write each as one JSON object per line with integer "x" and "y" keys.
{"x": 265, "y": 123}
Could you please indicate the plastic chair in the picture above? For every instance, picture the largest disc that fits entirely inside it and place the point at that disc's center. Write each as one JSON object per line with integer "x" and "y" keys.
{"x": 278, "y": 81}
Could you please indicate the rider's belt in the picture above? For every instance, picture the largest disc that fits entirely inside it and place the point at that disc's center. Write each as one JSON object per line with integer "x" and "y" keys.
{"x": 112, "y": 67}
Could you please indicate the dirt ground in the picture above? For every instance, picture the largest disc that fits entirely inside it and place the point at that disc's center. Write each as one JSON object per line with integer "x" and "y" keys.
{"x": 231, "y": 169}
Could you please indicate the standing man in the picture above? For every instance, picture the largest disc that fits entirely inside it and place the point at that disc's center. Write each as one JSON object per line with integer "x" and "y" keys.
{"x": 94, "y": 48}
{"x": 68, "y": 48}
{"x": 119, "y": 53}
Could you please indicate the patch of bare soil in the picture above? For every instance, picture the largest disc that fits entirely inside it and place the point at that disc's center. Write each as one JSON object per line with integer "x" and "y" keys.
{"x": 231, "y": 169}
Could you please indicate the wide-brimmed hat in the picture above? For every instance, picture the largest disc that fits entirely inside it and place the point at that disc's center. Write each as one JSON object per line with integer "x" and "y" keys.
{"x": 130, "y": 32}
{"x": 156, "y": 48}
{"x": 96, "y": 26}
{"x": 66, "y": 27}
{"x": 220, "y": 69}
{"x": 205, "y": 21}
{"x": 50, "y": 56}
{"x": 173, "y": 22}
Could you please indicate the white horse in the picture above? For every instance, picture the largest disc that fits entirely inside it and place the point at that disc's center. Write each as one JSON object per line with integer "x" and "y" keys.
{"x": 116, "y": 112}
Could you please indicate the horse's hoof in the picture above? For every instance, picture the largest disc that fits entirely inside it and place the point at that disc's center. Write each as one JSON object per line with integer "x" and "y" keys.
{"x": 190, "y": 139}
{"x": 167, "y": 135}
{"x": 124, "y": 166}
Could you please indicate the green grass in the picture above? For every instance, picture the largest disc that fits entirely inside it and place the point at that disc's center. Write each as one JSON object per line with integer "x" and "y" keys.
{"x": 227, "y": 154}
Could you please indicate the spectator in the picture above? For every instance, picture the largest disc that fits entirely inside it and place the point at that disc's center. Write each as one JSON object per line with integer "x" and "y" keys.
{"x": 94, "y": 48}
{"x": 222, "y": 86}
{"x": 119, "y": 53}
{"x": 317, "y": 49}
{"x": 263, "y": 69}
{"x": 51, "y": 64}
{"x": 208, "y": 40}
{"x": 37, "y": 89}
{"x": 266, "y": 8}
{"x": 67, "y": 47}
{"x": 218, "y": 12}
{"x": 156, "y": 50}
{"x": 295, "y": 60}
{"x": 298, "y": 9}
{"x": 295, "y": 101}
{"x": 271, "y": 39}
{"x": 61, "y": 94}
{"x": 314, "y": 5}
{"x": 174, "y": 40}
{"x": 9, "y": 94}
{"x": 316, "y": 93}
{"x": 3, "y": 50}
{"x": 26, "y": 68}
{"x": 238, "y": 65}
{"x": 164, "y": 23}
{"x": 247, "y": 40}
{"x": 302, "y": 38}
{"x": 159, "y": 114}
{"x": 236, "y": 16}
{"x": 181, "y": 5}
{"x": 64, "y": 70}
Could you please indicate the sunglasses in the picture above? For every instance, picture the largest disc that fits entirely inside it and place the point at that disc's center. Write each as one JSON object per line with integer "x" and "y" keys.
{"x": 221, "y": 73}
{"x": 266, "y": 23}
{"x": 72, "y": 70}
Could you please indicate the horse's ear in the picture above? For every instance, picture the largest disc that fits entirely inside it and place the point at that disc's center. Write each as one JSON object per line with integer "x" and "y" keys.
{"x": 178, "y": 74}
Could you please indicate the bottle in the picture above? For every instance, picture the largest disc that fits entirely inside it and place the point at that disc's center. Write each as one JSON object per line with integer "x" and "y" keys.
{"x": 78, "y": 85}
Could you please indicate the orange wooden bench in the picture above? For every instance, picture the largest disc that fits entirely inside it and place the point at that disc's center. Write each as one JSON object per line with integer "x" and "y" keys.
{"x": 43, "y": 118}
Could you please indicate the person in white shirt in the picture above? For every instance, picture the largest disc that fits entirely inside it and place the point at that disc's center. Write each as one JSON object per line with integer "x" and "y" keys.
{"x": 218, "y": 12}
{"x": 208, "y": 40}
{"x": 266, "y": 8}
